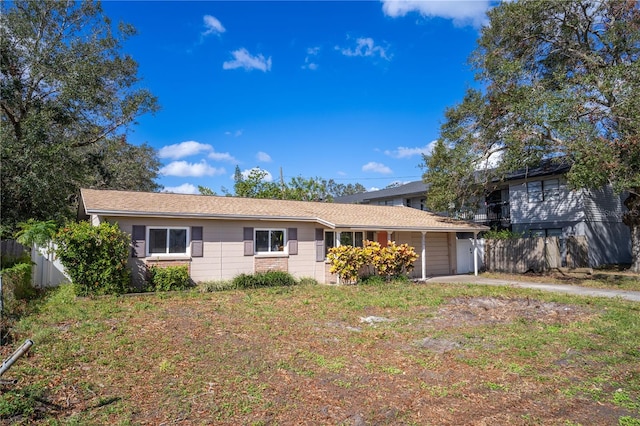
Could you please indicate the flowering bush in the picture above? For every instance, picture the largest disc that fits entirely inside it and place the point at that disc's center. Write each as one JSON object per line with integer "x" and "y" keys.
{"x": 393, "y": 260}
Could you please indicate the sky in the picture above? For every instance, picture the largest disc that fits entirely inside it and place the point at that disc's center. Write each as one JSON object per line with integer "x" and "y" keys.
{"x": 351, "y": 91}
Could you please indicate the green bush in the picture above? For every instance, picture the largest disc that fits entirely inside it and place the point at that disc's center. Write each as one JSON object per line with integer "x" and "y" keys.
{"x": 307, "y": 281}
{"x": 502, "y": 234}
{"x": 264, "y": 279}
{"x": 16, "y": 282}
{"x": 220, "y": 285}
{"x": 169, "y": 278}
{"x": 95, "y": 257}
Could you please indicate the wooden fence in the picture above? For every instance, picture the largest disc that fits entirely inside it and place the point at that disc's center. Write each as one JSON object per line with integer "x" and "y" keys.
{"x": 12, "y": 249}
{"x": 522, "y": 255}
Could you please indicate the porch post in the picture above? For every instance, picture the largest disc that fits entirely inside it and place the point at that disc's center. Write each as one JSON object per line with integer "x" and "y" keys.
{"x": 337, "y": 243}
{"x": 424, "y": 255}
{"x": 475, "y": 254}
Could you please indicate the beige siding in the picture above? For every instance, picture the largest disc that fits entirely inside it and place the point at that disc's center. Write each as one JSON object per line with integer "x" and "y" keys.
{"x": 223, "y": 248}
{"x": 438, "y": 252}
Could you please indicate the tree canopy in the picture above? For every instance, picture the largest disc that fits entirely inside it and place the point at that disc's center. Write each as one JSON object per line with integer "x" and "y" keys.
{"x": 67, "y": 95}
{"x": 255, "y": 185}
{"x": 557, "y": 80}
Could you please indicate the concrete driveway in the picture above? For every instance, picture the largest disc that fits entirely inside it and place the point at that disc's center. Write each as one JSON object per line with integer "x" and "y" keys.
{"x": 559, "y": 288}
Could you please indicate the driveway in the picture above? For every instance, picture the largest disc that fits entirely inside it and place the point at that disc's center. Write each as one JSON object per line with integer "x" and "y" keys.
{"x": 559, "y": 288}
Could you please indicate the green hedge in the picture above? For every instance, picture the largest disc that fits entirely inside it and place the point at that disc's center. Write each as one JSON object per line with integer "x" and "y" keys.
{"x": 169, "y": 278}
{"x": 264, "y": 279}
{"x": 95, "y": 257}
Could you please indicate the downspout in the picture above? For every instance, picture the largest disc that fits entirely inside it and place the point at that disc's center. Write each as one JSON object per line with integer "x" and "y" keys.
{"x": 424, "y": 255}
{"x": 337, "y": 243}
{"x": 475, "y": 253}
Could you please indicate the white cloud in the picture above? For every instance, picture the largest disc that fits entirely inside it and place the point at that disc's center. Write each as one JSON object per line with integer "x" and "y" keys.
{"x": 461, "y": 12}
{"x": 222, "y": 156}
{"x": 268, "y": 177}
{"x": 235, "y": 134}
{"x": 309, "y": 63}
{"x": 263, "y": 157}
{"x": 365, "y": 47}
{"x": 243, "y": 59}
{"x": 183, "y": 149}
{"x": 372, "y": 166}
{"x": 185, "y": 188}
{"x": 185, "y": 169}
{"x": 212, "y": 25}
{"x": 405, "y": 152}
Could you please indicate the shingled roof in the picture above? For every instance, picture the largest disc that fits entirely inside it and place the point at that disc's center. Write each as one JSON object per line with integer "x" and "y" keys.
{"x": 112, "y": 203}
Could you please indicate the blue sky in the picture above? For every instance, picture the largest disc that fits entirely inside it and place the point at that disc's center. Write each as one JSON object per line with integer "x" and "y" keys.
{"x": 350, "y": 91}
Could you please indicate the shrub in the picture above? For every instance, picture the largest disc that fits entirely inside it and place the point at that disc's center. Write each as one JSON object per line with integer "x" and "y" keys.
{"x": 502, "y": 234}
{"x": 16, "y": 281}
{"x": 308, "y": 281}
{"x": 391, "y": 261}
{"x": 218, "y": 285}
{"x": 264, "y": 279}
{"x": 95, "y": 257}
{"x": 347, "y": 262}
{"x": 169, "y": 278}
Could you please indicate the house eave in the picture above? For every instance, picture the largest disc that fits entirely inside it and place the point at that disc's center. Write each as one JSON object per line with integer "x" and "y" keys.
{"x": 121, "y": 213}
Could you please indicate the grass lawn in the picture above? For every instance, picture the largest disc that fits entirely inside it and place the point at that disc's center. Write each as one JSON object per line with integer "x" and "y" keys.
{"x": 395, "y": 354}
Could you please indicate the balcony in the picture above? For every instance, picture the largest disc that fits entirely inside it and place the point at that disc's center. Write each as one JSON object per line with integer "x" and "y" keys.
{"x": 496, "y": 214}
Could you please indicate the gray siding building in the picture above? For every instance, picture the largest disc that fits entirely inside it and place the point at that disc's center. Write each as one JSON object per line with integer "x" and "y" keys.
{"x": 537, "y": 202}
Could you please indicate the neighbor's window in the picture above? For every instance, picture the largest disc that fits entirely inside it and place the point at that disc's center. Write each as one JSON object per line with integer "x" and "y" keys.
{"x": 269, "y": 240}
{"x": 544, "y": 190}
{"x": 551, "y": 189}
{"x": 534, "y": 191}
{"x": 168, "y": 240}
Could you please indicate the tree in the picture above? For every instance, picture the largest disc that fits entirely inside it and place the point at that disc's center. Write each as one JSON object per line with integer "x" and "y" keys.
{"x": 559, "y": 80}
{"x": 255, "y": 185}
{"x": 67, "y": 95}
{"x": 205, "y": 190}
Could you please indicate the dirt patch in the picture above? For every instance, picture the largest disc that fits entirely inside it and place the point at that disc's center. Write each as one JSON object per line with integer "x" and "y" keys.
{"x": 477, "y": 311}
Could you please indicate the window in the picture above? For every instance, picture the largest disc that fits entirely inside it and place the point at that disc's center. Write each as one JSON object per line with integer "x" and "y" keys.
{"x": 545, "y": 190}
{"x": 534, "y": 191}
{"x": 407, "y": 202}
{"x": 354, "y": 239}
{"x": 269, "y": 240}
{"x": 551, "y": 189}
{"x": 329, "y": 241}
{"x": 168, "y": 240}
{"x": 549, "y": 232}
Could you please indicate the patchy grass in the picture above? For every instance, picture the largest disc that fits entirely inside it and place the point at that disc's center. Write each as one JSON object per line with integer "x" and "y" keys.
{"x": 399, "y": 353}
{"x": 610, "y": 279}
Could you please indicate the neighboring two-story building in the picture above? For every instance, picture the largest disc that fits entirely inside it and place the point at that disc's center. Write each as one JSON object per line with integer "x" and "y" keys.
{"x": 534, "y": 202}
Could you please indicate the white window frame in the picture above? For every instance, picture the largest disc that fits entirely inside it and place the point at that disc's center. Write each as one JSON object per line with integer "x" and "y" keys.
{"x": 285, "y": 248}
{"x": 187, "y": 251}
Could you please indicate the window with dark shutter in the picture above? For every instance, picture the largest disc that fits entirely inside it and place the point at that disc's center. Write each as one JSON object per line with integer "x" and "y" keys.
{"x": 196, "y": 241}
{"x": 292, "y": 236}
{"x": 138, "y": 243}
{"x": 320, "y": 245}
{"x": 248, "y": 241}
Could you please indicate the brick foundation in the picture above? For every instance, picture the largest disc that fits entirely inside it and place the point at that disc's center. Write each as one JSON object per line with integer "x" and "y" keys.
{"x": 266, "y": 264}
{"x": 164, "y": 263}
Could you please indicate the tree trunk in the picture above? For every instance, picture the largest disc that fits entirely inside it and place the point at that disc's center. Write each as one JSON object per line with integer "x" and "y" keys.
{"x": 632, "y": 220}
